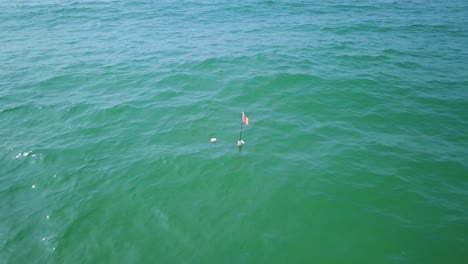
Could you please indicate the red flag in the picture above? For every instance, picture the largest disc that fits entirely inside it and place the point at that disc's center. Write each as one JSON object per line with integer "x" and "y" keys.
{"x": 245, "y": 119}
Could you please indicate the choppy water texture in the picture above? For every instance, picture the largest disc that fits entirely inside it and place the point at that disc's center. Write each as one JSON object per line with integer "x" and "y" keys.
{"x": 357, "y": 150}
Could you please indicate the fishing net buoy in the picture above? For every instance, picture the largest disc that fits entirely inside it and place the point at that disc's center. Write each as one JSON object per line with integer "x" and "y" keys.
{"x": 213, "y": 140}
{"x": 240, "y": 143}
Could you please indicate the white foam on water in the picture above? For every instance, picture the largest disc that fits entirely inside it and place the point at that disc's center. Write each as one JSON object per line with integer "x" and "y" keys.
{"x": 24, "y": 154}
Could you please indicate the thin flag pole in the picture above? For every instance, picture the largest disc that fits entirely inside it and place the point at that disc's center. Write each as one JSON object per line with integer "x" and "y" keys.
{"x": 246, "y": 121}
{"x": 240, "y": 136}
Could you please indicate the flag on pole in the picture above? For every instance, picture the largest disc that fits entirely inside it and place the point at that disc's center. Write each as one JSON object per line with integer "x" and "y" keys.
{"x": 245, "y": 119}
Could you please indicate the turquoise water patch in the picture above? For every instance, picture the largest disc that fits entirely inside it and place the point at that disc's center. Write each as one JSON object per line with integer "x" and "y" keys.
{"x": 357, "y": 149}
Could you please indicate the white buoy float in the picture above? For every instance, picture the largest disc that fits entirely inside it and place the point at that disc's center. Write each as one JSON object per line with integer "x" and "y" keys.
{"x": 240, "y": 142}
{"x": 213, "y": 140}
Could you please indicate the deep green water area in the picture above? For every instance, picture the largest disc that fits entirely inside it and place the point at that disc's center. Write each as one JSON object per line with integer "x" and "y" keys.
{"x": 357, "y": 149}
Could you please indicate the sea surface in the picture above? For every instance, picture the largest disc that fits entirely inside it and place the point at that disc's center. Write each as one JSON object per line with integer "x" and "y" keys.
{"x": 356, "y": 152}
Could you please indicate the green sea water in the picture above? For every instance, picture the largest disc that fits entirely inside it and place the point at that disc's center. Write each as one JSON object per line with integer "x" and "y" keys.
{"x": 357, "y": 149}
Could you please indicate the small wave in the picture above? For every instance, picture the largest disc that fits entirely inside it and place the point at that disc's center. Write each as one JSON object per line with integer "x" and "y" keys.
{"x": 26, "y": 154}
